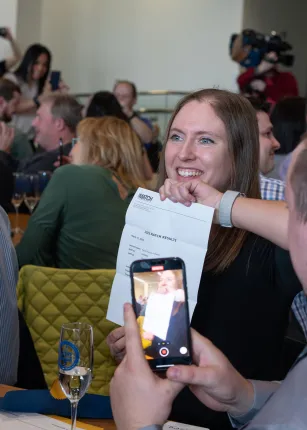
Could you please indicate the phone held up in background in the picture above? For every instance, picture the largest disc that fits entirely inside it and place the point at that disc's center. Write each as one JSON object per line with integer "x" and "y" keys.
{"x": 61, "y": 152}
{"x": 3, "y": 32}
{"x": 55, "y": 79}
{"x": 160, "y": 301}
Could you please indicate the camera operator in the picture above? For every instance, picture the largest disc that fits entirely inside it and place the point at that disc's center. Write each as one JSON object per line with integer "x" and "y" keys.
{"x": 266, "y": 79}
{"x": 9, "y": 62}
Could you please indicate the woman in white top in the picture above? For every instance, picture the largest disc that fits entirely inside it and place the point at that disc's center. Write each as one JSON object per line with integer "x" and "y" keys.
{"x": 31, "y": 77}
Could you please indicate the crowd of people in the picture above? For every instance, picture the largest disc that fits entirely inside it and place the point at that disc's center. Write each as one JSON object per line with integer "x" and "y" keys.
{"x": 237, "y": 153}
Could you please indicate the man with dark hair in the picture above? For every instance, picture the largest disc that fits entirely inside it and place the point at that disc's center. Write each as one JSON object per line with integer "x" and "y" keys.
{"x": 213, "y": 380}
{"x": 9, "y": 62}
{"x": 126, "y": 94}
{"x": 9, "y": 99}
{"x": 56, "y": 119}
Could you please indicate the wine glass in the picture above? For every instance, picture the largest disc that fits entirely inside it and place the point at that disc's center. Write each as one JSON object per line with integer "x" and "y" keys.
{"x": 17, "y": 198}
{"x": 31, "y": 192}
{"x": 75, "y": 363}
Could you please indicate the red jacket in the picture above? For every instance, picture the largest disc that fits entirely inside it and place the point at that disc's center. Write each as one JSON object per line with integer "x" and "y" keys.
{"x": 278, "y": 86}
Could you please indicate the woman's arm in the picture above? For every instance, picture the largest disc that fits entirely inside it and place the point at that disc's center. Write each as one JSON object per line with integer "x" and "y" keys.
{"x": 26, "y": 105}
{"x": 268, "y": 219}
{"x": 38, "y": 242}
{"x": 141, "y": 129}
{"x": 265, "y": 218}
{"x": 11, "y": 61}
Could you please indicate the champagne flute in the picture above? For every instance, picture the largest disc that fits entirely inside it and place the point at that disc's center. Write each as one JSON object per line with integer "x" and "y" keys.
{"x": 75, "y": 363}
{"x": 17, "y": 198}
{"x": 31, "y": 195}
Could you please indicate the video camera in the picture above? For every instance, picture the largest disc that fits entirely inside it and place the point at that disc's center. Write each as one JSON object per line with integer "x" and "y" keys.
{"x": 250, "y": 47}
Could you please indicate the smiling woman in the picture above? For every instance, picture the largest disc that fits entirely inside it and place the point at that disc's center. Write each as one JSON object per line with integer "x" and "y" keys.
{"x": 213, "y": 137}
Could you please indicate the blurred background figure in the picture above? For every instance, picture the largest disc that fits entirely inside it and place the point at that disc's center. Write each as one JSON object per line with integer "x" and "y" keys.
{"x": 126, "y": 94}
{"x": 9, "y": 62}
{"x": 289, "y": 124}
{"x": 31, "y": 76}
{"x": 103, "y": 103}
{"x": 80, "y": 226}
{"x": 261, "y": 55}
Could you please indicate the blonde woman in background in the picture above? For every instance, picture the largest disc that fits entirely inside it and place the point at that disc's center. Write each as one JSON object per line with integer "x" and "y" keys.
{"x": 80, "y": 217}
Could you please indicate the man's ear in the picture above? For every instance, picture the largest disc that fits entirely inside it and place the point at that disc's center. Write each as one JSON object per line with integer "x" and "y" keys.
{"x": 59, "y": 124}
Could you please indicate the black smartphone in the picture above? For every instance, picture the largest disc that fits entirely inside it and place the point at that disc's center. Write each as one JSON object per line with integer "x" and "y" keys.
{"x": 3, "y": 32}
{"x": 55, "y": 78}
{"x": 61, "y": 151}
{"x": 160, "y": 301}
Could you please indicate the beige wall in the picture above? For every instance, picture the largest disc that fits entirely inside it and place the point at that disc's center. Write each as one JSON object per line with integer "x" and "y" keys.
{"x": 29, "y": 16}
{"x": 8, "y": 17}
{"x": 282, "y": 15}
{"x": 159, "y": 44}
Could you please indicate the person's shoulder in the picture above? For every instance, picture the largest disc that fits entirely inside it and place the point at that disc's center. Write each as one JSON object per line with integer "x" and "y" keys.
{"x": 256, "y": 249}
{"x": 84, "y": 172}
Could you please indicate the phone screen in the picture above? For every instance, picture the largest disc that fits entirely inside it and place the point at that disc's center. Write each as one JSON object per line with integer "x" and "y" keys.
{"x": 55, "y": 80}
{"x": 160, "y": 302}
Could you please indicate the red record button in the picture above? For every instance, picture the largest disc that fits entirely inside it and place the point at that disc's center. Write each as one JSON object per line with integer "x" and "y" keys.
{"x": 164, "y": 352}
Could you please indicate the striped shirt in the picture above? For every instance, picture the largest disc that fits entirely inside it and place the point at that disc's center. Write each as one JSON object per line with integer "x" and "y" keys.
{"x": 272, "y": 189}
{"x": 9, "y": 324}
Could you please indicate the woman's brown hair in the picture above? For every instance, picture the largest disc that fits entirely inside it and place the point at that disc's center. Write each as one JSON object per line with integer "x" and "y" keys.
{"x": 111, "y": 143}
{"x": 241, "y": 126}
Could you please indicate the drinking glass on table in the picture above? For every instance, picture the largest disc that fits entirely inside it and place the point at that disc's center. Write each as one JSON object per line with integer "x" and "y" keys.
{"x": 17, "y": 198}
{"x": 31, "y": 192}
{"x": 75, "y": 363}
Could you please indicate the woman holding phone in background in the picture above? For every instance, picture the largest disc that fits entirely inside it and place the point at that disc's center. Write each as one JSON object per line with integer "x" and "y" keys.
{"x": 32, "y": 76}
{"x": 248, "y": 283}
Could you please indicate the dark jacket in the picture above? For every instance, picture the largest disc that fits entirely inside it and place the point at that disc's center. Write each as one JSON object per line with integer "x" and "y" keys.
{"x": 38, "y": 162}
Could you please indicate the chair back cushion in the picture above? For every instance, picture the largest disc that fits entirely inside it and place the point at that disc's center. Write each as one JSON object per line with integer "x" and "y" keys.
{"x": 49, "y": 298}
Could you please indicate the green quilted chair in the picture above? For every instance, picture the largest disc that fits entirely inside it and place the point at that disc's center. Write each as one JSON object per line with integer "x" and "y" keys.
{"x": 50, "y": 297}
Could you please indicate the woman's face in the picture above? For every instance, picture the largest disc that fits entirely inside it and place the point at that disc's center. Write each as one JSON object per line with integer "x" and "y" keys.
{"x": 197, "y": 147}
{"x": 167, "y": 282}
{"x": 40, "y": 67}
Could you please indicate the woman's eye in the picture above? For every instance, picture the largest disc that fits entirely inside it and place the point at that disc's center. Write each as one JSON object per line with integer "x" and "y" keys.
{"x": 206, "y": 140}
{"x": 175, "y": 138}
{"x": 268, "y": 134}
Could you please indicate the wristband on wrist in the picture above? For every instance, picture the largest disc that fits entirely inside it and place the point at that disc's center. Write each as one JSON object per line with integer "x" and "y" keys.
{"x": 225, "y": 207}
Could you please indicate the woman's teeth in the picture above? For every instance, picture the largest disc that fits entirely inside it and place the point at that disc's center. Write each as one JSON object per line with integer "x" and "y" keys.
{"x": 187, "y": 173}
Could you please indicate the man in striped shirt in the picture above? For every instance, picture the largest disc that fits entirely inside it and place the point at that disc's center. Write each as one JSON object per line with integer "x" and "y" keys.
{"x": 9, "y": 325}
{"x": 274, "y": 189}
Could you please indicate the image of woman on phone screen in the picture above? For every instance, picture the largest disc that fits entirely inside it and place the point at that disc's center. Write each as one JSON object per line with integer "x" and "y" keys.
{"x": 169, "y": 289}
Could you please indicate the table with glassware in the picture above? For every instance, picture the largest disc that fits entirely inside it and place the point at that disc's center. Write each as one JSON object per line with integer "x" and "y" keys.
{"x": 101, "y": 423}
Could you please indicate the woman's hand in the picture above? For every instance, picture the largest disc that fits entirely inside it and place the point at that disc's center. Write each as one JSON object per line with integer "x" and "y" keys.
{"x": 194, "y": 191}
{"x": 116, "y": 341}
{"x": 63, "y": 87}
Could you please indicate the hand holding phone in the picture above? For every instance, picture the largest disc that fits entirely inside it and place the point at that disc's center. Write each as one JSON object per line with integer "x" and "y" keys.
{"x": 160, "y": 300}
